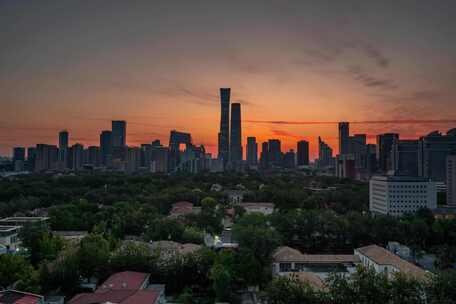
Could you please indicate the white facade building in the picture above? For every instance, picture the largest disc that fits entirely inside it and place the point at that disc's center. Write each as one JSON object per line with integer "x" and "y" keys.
{"x": 398, "y": 195}
{"x": 9, "y": 237}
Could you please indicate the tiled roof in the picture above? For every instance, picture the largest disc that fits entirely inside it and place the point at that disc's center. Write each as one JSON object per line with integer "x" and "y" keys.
{"x": 127, "y": 280}
{"x": 382, "y": 256}
{"x": 18, "y": 297}
{"x": 287, "y": 254}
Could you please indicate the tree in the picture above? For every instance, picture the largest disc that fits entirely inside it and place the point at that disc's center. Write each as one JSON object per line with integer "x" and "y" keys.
{"x": 13, "y": 269}
{"x": 93, "y": 255}
{"x": 165, "y": 229}
{"x": 289, "y": 290}
{"x": 441, "y": 288}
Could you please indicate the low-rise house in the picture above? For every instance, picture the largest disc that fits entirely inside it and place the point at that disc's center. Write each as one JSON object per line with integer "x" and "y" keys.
{"x": 263, "y": 208}
{"x": 19, "y": 297}
{"x": 126, "y": 287}
{"x": 23, "y": 220}
{"x": 9, "y": 238}
{"x": 183, "y": 208}
{"x": 286, "y": 260}
{"x": 384, "y": 261}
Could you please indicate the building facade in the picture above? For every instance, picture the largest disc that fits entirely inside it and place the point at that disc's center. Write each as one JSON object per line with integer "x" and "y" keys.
{"x": 451, "y": 179}
{"x": 398, "y": 195}
{"x": 252, "y": 151}
{"x": 302, "y": 153}
{"x": 223, "y": 136}
{"x": 384, "y": 148}
{"x": 236, "y": 134}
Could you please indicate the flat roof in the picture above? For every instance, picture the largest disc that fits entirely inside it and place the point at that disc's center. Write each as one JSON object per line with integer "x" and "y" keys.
{"x": 395, "y": 178}
{"x": 8, "y": 228}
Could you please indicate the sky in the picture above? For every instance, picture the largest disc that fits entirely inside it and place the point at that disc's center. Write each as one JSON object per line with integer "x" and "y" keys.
{"x": 296, "y": 67}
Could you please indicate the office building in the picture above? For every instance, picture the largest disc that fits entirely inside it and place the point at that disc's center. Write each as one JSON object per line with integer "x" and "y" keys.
{"x": 398, "y": 195}
{"x": 451, "y": 179}
{"x": 63, "y": 149}
{"x": 133, "y": 159}
{"x": 119, "y": 133}
{"x": 77, "y": 157}
{"x": 252, "y": 151}
{"x": 106, "y": 148}
{"x": 344, "y": 140}
{"x": 92, "y": 156}
{"x": 325, "y": 154}
{"x": 303, "y": 153}
{"x": 235, "y": 134}
{"x": 264, "y": 158}
{"x": 384, "y": 150}
{"x": 223, "y": 136}
{"x": 404, "y": 157}
{"x": 31, "y": 159}
{"x": 289, "y": 159}
{"x": 19, "y": 159}
{"x": 432, "y": 153}
{"x": 46, "y": 157}
{"x": 275, "y": 152}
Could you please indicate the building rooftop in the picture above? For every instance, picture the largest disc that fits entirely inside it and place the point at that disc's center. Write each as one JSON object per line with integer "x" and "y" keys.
{"x": 396, "y": 178}
{"x": 9, "y": 228}
{"x": 287, "y": 254}
{"x": 382, "y": 256}
{"x": 19, "y": 297}
{"x": 125, "y": 280}
{"x": 307, "y": 277}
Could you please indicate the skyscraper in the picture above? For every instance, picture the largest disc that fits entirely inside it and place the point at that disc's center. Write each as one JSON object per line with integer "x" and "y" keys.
{"x": 384, "y": 149}
{"x": 236, "y": 135}
{"x": 344, "y": 138}
{"x": 404, "y": 156}
{"x": 119, "y": 133}
{"x": 325, "y": 154}
{"x": 264, "y": 160}
{"x": 223, "y": 136}
{"x": 63, "y": 149}
{"x": 19, "y": 158}
{"x": 275, "y": 152}
{"x": 252, "y": 151}
{"x": 77, "y": 151}
{"x": 289, "y": 159}
{"x": 106, "y": 147}
{"x": 303, "y": 153}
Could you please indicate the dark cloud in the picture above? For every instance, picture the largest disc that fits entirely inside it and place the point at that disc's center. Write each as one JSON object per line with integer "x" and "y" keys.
{"x": 370, "y": 81}
{"x": 375, "y": 54}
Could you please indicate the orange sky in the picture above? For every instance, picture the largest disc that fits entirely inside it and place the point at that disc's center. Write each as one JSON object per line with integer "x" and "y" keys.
{"x": 159, "y": 65}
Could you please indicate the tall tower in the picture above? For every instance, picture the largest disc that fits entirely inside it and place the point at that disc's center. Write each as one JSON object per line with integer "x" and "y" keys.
{"x": 63, "y": 148}
{"x": 223, "y": 136}
{"x": 252, "y": 151}
{"x": 106, "y": 147}
{"x": 119, "y": 133}
{"x": 236, "y": 136}
{"x": 384, "y": 148}
{"x": 344, "y": 138}
{"x": 303, "y": 153}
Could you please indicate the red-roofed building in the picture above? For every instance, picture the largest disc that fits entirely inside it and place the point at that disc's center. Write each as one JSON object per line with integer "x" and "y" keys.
{"x": 126, "y": 287}
{"x": 19, "y": 297}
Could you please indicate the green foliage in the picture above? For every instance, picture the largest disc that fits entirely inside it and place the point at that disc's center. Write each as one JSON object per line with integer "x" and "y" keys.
{"x": 441, "y": 288}
{"x": 41, "y": 244}
{"x": 289, "y": 290}
{"x": 165, "y": 229}
{"x": 93, "y": 255}
{"x": 16, "y": 269}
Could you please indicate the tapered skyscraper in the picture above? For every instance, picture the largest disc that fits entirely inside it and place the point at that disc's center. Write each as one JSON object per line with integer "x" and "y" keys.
{"x": 223, "y": 136}
{"x": 236, "y": 136}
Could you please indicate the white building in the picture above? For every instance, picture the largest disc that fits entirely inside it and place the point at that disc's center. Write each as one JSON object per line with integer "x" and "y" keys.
{"x": 263, "y": 208}
{"x": 397, "y": 195}
{"x": 9, "y": 238}
{"x": 451, "y": 179}
{"x": 383, "y": 261}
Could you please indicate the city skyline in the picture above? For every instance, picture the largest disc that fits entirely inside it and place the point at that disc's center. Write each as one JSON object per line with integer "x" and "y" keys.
{"x": 320, "y": 63}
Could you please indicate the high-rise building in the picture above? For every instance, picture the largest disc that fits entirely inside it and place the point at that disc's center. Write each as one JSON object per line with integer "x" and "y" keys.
{"x": 275, "y": 152}
{"x": 18, "y": 154}
{"x": 63, "y": 149}
{"x": 384, "y": 149}
{"x": 344, "y": 138}
{"x": 46, "y": 157}
{"x": 432, "y": 153}
{"x": 236, "y": 135}
{"x": 404, "y": 157}
{"x": 264, "y": 159}
{"x": 289, "y": 159}
{"x": 224, "y": 134}
{"x": 93, "y": 156}
{"x": 325, "y": 154}
{"x": 133, "y": 159}
{"x": 252, "y": 151}
{"x": 31, "y": 158}
{"x": 119, "y": 133}
{"x": 19, "y": 158}
{"x": 106, "y": 148}
{"x": 77, "y": 153}
{"x": 451, "y": 179}
{"x": 303, "y": 153}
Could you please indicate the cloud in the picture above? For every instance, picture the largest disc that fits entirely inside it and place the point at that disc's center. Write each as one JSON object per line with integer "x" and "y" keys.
{"x": 368, "y": 80}
{"x": 375, "y": 54}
